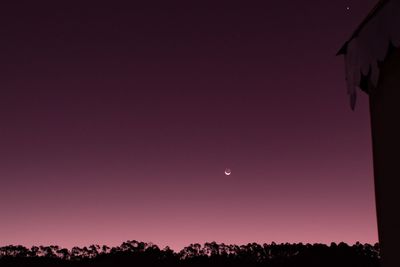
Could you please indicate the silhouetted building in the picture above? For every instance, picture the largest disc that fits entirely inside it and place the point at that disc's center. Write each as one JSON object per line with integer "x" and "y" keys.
{"x": 372, "y": 61}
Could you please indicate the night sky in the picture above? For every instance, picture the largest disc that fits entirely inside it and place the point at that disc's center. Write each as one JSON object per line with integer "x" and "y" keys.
{"x": 118, "y": 122}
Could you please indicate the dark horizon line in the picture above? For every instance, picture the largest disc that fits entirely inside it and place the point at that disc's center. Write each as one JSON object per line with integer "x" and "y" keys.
{"x": 203, "y": 244}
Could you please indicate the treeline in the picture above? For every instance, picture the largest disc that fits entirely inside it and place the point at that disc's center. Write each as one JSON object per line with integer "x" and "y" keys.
{"x": 134, "y": 253}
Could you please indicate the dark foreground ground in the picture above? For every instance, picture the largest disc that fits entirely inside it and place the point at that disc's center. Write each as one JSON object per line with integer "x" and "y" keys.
{"x": 134, "y": 253}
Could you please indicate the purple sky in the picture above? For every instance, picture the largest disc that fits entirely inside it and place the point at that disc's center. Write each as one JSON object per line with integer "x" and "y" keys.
{"x": 117, "y": 123}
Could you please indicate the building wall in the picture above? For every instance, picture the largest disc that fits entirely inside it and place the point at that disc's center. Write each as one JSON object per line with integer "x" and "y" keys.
{"x": 385, "y": 124}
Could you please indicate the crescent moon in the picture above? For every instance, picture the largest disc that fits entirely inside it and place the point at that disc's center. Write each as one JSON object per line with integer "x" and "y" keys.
{"x": 228, "y": 172}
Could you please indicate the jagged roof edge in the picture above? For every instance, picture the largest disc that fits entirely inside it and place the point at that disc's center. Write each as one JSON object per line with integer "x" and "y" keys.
{"x": 372, "y": 13}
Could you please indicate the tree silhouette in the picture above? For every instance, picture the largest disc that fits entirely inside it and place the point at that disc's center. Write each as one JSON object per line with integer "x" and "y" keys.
{"x": 210, "y": 254}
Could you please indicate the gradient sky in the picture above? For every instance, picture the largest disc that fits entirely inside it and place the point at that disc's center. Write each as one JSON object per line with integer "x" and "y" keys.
{"x": 118, "y": 121}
